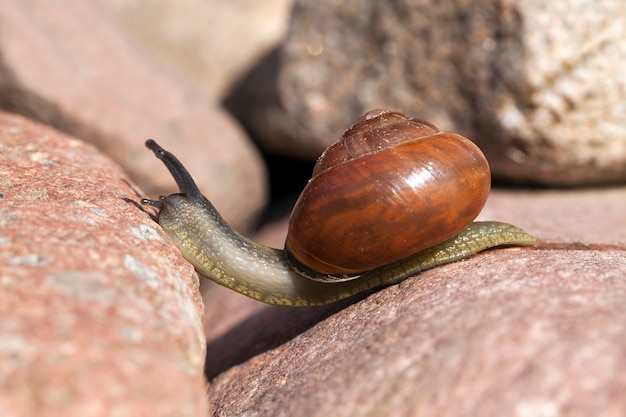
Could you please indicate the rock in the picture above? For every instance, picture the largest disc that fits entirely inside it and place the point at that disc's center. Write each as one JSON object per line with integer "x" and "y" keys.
{"x": 213, "y": 42}
{"x": 533, "y": 83}
{"x": 89, "y": 77}
{"x": 495, "y": 341}
{"x": 509, "y": 331}
{"x": 100, "y": 314}
{"x": 593, "y": 216}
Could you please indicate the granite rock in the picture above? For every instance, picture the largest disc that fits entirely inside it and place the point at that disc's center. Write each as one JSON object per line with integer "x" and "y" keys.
{"x": 100, "y": 313}
{"x": 513, "y": 331}
{"x": 537, "y": 85}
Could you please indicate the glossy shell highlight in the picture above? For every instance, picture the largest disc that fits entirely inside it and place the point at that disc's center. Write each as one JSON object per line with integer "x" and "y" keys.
{"x": 390, "y": 187}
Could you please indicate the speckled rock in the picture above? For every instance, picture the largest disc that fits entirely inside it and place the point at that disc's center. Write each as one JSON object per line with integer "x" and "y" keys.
{"x": 535, "y": 83}
{"x": 477, "y": 341}
{"x": 514, "y": 331}
{"x": 89, "y": 77}
{"x": 100, "y": 314}
{"x": 211, "y": 40}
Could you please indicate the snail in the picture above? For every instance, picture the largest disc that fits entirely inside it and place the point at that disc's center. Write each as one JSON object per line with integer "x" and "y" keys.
{"x": 393, "y": 197}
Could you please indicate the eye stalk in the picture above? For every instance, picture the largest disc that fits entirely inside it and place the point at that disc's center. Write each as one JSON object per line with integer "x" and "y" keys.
{"x": 184, "y": 180}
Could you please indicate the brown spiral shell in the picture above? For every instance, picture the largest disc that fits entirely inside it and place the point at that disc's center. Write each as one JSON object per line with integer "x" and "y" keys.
{"x": 390, "y": 187}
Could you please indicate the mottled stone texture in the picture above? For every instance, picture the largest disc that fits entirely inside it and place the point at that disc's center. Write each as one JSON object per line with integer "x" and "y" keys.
{"x": 515, "y": 331}
{"x": 99, "y": 313}
{"x": 70, "y": 64}
{"x": 482, "y": 337}
{"x": 539, "y": 85}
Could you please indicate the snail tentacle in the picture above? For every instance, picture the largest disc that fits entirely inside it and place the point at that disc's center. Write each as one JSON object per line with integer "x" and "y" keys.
{"x": 183, "y": 178}
{"x": 221, "y": 254}
{"x": 154, "y": 203}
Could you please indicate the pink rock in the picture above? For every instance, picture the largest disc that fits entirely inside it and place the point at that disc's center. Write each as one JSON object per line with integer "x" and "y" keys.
{"x": 513, "y": 332}
{"x": 509, "y": 331}
{"x": 71, "y": 65}
{"x": 100, "y": 314}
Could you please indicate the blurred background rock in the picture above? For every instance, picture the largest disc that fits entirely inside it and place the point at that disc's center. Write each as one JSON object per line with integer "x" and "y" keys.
{"x": 213, "y": 42}
{"x": 535, "y": 84}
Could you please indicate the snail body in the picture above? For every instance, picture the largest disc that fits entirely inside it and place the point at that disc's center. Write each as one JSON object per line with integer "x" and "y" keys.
{"x": 376, "y": 204}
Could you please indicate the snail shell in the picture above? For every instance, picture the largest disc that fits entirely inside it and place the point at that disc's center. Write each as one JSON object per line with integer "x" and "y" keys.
{"x": 390, "y": 187}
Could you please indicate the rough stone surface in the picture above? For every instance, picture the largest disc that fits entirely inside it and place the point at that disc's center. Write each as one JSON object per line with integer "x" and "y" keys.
{"x": 213, "y": 41}
{"x": 508, "y": 332}
{"x": 100, "y": 314}
{"x": 89, "y": 77}
{"x": 492, "y": 342}
{"x": 592, "y": 215}
{"x": 534, "y": 83}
